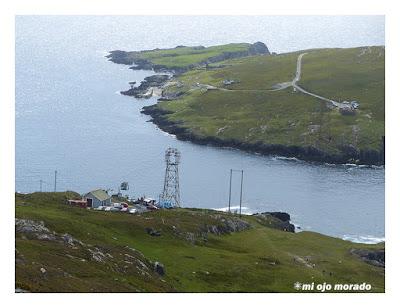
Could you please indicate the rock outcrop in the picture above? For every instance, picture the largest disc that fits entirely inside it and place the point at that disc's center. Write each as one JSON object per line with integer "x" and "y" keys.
{"x": 280, "y": 215}
{"x": 225, "y": 225}
{"x": 277, "y": 220}
{"x": 153, "y": 232}
{"x": 147, "y": 87}
{"x": 34, "y": 229}
{"x": 217, "y": 224}
{"x": 370, "y": 256}
{"x": 159, "y": 268}
{"x": 259, "y": 48}
{"x": 126, "y": 260}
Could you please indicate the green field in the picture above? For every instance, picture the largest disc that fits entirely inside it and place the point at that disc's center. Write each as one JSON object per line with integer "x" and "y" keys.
{"x": 259, "y": 259}
{"x": 259, "y": 72}
{"x": 183, "y": 57}
{"x": 247, "y": 111}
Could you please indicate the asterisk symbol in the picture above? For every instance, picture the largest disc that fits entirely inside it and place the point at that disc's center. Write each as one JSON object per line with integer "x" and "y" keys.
{"x": 297, "y": 285}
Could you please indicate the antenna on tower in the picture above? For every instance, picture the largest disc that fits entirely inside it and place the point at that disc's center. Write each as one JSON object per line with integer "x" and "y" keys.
{"x": 170, "y": 196}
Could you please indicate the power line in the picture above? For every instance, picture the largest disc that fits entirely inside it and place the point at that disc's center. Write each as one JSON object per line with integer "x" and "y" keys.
{"x": 241, "y": 194}
{"x": 55, "y": 180}
{"x": 230, "y": 190}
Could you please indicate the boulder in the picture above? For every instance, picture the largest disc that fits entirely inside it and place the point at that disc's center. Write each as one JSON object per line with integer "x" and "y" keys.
{"x": 277, "y": 220}
{"x": 280, "y": 215}
{"x": 374, "y": 257}
{"x": 143, "y": 90}
{"x": 258, "y": 48}
{"x": 159, "y": 268}
{"x": 30, "y": 226}
{"x": 153, "y": 232}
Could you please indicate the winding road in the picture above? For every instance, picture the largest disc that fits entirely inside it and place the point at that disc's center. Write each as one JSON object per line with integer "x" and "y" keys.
{"x": 296, "y": 79}
{"x": 282, "y": 86}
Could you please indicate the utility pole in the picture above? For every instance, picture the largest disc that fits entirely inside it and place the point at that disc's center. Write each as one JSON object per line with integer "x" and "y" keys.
{"x": 41, "y": 182}
{"x": 230, "y": 191}
{"x": 241, "y": 194}
{"x": 55, "y": 181}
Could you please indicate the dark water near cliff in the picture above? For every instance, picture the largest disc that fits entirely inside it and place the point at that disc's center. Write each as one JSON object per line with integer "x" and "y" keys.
{"x": 69, "y": 117}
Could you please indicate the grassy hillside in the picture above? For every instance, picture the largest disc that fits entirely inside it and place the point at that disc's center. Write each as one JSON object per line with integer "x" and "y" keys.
{"x": 260, "y": 72}
{"x": 182, "y": 58}
{"x": 247, "y": 111}
{"x": 352, "y": 74}
{"x": 118, "y": 255}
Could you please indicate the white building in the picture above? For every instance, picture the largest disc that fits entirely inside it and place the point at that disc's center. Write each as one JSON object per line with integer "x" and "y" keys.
{"x": 96, "y": 198}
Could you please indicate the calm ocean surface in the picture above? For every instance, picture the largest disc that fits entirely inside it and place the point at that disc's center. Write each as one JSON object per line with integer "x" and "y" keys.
{"x": 70, "y": 118}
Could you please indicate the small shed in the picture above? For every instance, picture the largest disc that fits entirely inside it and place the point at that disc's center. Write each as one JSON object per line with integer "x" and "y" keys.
{"x": 96, "y": 198}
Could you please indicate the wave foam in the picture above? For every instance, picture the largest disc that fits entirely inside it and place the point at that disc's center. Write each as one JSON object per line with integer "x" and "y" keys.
{"x": 286, "y": 158}
{"x": 245, "y": 210}
{"x": 364, "y": 239}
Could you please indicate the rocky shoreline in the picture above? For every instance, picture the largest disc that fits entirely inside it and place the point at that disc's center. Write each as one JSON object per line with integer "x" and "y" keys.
{"x": 151, "y": 85}
{"x": 155, "y": 84}
{"x": 349, "y": 155}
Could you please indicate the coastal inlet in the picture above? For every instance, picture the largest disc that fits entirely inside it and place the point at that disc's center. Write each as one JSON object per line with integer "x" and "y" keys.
{"x": 102, "y": 138}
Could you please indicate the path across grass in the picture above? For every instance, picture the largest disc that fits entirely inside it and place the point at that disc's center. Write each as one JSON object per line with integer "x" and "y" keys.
{"x": 282, "y": 86}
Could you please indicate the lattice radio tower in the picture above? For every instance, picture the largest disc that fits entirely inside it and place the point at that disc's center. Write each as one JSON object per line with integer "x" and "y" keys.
{"x": 170, "y": 196}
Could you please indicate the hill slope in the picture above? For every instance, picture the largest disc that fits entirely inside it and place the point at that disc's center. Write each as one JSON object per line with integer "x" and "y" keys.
{"x": 67, "y": 249}
{"x": 184, "y": 58}
{"x": 249, "y": 103}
